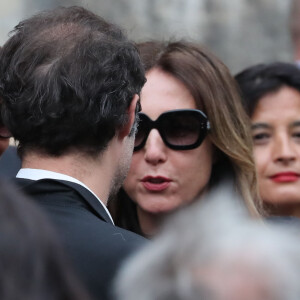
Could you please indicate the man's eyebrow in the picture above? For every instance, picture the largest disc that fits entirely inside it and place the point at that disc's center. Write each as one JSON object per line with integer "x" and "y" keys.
{"x": 262, "y": 126}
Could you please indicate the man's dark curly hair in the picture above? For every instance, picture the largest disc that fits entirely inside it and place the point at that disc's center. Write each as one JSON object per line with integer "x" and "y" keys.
{"x": 67, "y": 78}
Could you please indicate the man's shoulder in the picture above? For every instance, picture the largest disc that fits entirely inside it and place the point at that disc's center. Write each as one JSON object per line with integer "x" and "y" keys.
{"x": 63, "y": 198}
{"x": 116, "y": 235}
{"x": 94, "y": 245}
{"x": 81, "y": 224}
{"x": 75, "y": 210}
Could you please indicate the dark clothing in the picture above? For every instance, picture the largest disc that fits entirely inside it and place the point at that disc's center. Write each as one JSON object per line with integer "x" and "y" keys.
{"x": 94, "y": 244}
{"x": 10, "y": 163}
{"x": 124, "y": 212}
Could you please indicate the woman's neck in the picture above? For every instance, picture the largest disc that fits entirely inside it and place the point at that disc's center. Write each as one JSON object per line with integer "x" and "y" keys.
{"x": 149, "y": 223}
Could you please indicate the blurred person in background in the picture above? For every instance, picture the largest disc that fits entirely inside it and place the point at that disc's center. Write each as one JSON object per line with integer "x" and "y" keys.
{"x": 33, "y": 265}
{"x": 4, "y": 132}
{"x": 70, "y": 84}
{"x": 5, "y": 135}
{"x": 10, "y": 162}
{"x": 192, "y": 134}
{"x": 212, "y": 250}
{"x": 271, "y": 96}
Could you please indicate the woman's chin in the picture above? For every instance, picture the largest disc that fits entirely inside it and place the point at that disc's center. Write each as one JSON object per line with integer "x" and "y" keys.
{"x": 158, "y": 208}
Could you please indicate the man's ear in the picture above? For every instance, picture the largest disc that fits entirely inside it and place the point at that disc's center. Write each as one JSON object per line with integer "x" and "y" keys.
{"x": 125, "y": 130}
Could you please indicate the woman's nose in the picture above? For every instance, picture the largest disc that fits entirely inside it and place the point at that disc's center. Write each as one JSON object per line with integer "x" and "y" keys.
{"x": 284, "y": 150}
{"x": 155, "y": 149}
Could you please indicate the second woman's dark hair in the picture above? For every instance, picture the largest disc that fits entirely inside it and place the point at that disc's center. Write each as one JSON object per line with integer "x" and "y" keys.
{"x": 259, "y": 80}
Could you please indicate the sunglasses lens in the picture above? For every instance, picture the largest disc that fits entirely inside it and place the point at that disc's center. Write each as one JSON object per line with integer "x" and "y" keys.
{"x": 181, "y": 129}
{"x": 141, "y": 133}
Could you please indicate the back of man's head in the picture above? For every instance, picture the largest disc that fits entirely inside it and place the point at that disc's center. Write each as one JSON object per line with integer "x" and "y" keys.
{"x": 67, "y": 78}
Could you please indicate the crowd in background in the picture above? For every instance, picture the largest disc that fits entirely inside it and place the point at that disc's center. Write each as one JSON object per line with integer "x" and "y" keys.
{"x": 144, "y": 170}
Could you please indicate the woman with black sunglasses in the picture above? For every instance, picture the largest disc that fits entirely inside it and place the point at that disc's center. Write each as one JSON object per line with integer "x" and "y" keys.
{"x": 192, "y": 133}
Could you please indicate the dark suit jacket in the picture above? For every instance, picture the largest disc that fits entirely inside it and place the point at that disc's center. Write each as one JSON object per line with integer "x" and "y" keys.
{"x": 96, "y": 247}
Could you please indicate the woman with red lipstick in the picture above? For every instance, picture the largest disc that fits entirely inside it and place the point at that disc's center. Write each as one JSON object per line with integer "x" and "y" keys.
{"x": 271, "y": 95}
{"x": 192, "y": 133}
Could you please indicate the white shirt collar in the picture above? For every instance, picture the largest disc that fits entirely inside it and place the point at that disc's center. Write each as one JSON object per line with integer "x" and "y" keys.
{"x": 37, "y": 174}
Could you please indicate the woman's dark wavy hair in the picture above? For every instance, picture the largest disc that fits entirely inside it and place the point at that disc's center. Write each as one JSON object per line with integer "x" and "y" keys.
{"x": 259, "y": 80}
{"x": 33, "y": 265}
{"x": 67, "y": 78}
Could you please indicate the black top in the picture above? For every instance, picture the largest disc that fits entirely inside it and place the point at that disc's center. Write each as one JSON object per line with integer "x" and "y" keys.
{"x": 96, "y": 247}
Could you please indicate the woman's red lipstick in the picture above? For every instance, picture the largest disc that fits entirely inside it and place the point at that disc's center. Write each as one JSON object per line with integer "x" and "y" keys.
{"x": 155, "y": 183}
{"x": 285, "y": 177}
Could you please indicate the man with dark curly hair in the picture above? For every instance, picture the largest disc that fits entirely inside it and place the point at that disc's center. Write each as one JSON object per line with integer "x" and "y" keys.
{"x": 70, "y": 83}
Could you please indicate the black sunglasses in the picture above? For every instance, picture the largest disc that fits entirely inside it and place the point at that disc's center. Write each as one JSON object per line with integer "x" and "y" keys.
{"x": 180, "y": 129}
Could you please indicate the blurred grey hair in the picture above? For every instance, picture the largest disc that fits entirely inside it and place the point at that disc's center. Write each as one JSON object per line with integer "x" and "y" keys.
{"x": 212, "y": 232}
